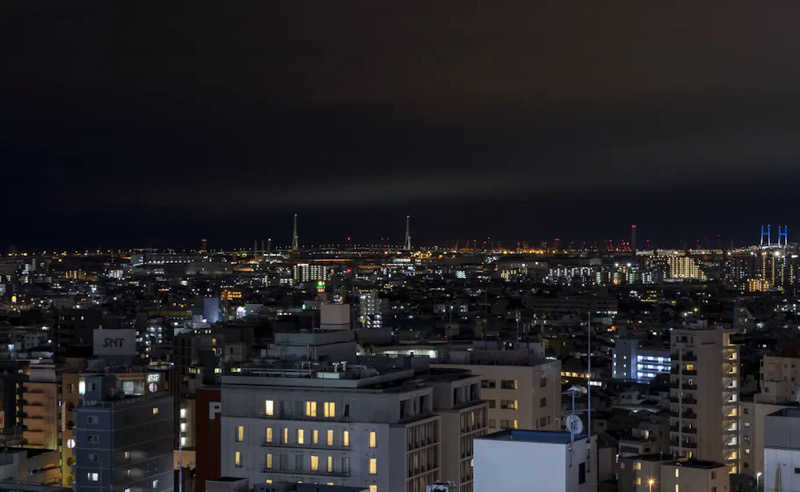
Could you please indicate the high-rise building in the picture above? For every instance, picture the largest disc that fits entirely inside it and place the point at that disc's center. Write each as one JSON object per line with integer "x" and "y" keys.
{"x": 631, "y": 361}
{"x": 704, "y": 395}
{"x": 660, "y": 473}
{"x": 123, "y": 443}
{"x": 350, "y": 425}
{"x": 369, "y": 306}
{"x": 311, "y": 272}
{"x": 684, "y": 268}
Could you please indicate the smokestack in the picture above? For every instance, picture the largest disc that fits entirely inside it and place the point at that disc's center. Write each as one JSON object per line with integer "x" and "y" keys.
{"x": 407, "y": 243}
{"x": 633, "y": 238}
{"x": 295, "y": 237}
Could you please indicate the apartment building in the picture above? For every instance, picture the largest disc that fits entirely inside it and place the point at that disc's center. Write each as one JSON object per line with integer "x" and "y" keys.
{"x": 704, "y": 394}
{"x": 352, "y": 425}
{"x": 522, "y": 389}
{"x": 657, "y": 473}
{"x": 780, "y": 380}
{"x": 123, "y": 442}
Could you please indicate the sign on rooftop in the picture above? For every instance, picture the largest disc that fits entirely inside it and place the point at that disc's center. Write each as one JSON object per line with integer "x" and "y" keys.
{"x": 115, "y": 342}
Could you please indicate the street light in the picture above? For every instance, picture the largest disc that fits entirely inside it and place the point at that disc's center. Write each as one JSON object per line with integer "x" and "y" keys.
{"x": 650, "y": 484}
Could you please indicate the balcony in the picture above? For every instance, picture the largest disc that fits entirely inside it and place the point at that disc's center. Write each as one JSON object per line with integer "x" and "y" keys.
{"x": 687, "y": 372}
{"x": 318, "y": 473}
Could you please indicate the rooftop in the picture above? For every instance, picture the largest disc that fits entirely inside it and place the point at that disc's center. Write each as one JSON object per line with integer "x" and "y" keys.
{"x": 547, "y": 437}
{"x": 787, "y": 412}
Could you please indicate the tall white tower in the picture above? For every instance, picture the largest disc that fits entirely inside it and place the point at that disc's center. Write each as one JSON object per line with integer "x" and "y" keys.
{"x": 407, "y": 243}
{"x": 295, "y": 237}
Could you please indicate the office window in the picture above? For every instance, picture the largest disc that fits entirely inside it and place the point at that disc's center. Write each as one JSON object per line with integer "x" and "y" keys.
{"x": 239, "y": 433}
{"x": 315, "y": 436}
{"x": 330, "y": 437}
{"x": 93, "y": 477}
{"x": 286, "y": 435}
{"x": 237, "y": 458}
{"x": 509, "y": 384}
{"x": 314, "y": 463}
{"x": 311, "y": 409}
{"x": 155, "y": 410}
{"x": 268, "y": 434}
{"x": 373, "y": 439}
{"x": 301, "y": 436}
{"x": 269, "y": 460}
{"x": 373, "y": 466}
{"x": 346, "y": 439}
{"x": 269, "y": 408}
{"x": 330, "y": 464}
{"x": 329, "y": 409}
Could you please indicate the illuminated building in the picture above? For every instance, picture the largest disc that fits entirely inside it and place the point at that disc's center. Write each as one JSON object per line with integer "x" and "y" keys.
{"x": 633, "y": 362}
{"x": 370, "y": 309}
{"x": 311, "y": 272}
{"x": 684, "y": 267}
{"x": 704, "y": 396}
{"x": 230, "y": 295}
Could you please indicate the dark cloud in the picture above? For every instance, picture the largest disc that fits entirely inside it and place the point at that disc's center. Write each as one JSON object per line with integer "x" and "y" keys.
{"x": 160, "y": 122}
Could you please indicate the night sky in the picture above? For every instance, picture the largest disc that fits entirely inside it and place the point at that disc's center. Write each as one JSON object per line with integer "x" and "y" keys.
{"x": 156, "y": 123}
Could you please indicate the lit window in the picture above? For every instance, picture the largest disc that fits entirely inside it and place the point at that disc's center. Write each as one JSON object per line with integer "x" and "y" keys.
{"x": 314, "y": 463}
{"x": 373, "y": 488}
{"x": 268, "y": 481}
{"x": 269, "y": 408}
{"x": 301, "y": 436}
{"x": 638, "y": 480}
{"x": 516, "y": 424}
{"x": 311, "y": 409}
{"x": 330, "y": 464}
{"x": 677, "y": 488}
{"x": 155, "y": 484}
{"x": 373, "y": 439}
{"x": 346, "y": 439}
{"x": 373, "y": 466}
{"x": 268, "y": 435}
{"x": 330, "y": 438}
{"x": 269, "y": 460}
{"x": 237, "y": 458}
{"x": 155, "y": 410}
{"x": 126, "y": 455}
{"x": 93, "y": 477}
{"x": 315, "y": 436}
{"x": 70, "y": 443}
{"x": 183, "y": 413}
{"x": 329, "y": 409}
{"x": 638, "y": 465}
{"x": 677, "y": 473}
{"x": 240, "y": 433}
{"x": 286, "y": 435}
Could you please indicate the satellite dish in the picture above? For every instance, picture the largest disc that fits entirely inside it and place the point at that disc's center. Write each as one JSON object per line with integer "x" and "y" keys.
{"x": 574, "y": 424}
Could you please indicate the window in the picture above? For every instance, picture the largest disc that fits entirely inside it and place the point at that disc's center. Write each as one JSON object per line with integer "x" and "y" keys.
{"x": 373, "y": 466}
{"x": 311, "y": 409}
{"x": 713, "y": 475}
{"x": 373, "y": 488}
{"x": 346, "y": 439}
{"x": 516, "y": 424}
{"x": 269, "y": 408}
{"x": 93, "y": 438}
{"x": 330, "y": 464}
{"x": 314, "y": 463}
{"x": 239, "y": 433}
{"x": 269, "y": 460}
{"x": 70, "y": 443}
{"x": 543, "y": 382}
{"x": 638, "y": 480}
{"x": 582, "y": 473}
{"x": 155, "y": 484}
{"x": 509, "y": 384}
{"x": 488, "y": 383}
{"x": 677, "y": 488}
{"x": 329, "y": 409}
{"x": 301, "y": 436}
{"x": 268, "y": 435}
{"x": 373, "y": 439}
{"x": 155, "y": 410}
{"x": 91, "y": 419}
{"x": 543, "y": 402}
{"x": 638, "y": 465}
{"x": 183, "y": 413}
{"x": 286, "y": 435}
{"x": 330, "y": 437}
{"x": 93, "y": 477}
{"x": 315, "y": 436}
{"x": 126, "y": 455}
{"x": 677, "y": 473}
{"x": 92, "y": 458}
{"x": 237, "y": 458}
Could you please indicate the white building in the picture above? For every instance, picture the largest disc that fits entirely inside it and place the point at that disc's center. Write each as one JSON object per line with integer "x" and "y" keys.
{"x": 523, "y": 460}
{"x": 370, "y": 315}
{"x": 782, "y": 451}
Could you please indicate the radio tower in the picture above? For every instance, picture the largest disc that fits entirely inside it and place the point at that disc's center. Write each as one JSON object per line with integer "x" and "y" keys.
{"x": 295, "y": 237}
{"x": 407, "y": 243}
